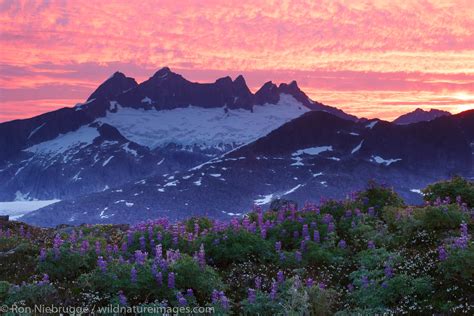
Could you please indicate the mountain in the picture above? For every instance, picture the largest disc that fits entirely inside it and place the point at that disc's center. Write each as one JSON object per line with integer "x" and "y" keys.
{"x": 127, "y": 131}
{"x": 420, "y": 115}
{"x": 315, "y": 155}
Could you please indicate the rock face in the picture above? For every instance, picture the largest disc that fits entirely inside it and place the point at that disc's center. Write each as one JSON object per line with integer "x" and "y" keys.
{"x": 420, "y": 115}
{"x": 317, "y": 155}
{"x": 127, "y": 131}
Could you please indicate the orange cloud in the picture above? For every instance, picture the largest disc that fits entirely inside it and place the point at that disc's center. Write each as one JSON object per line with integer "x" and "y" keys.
{"x": 333, "y": 48}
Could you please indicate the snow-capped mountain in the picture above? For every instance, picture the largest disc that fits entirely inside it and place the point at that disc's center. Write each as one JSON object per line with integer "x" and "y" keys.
{"x": 315, "y": 155}
{"x": 126, "y": 131}
{"x": 420, "y": 115}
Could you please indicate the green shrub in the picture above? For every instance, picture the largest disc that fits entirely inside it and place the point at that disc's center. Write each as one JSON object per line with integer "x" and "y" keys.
{"x": 230, "y": 246}
{"x": 31, "y": 294}
{"x": 456, "y": 186}
{"x": 444, "y": 217}
{"x": 378, "y": 196}
{"x": 68, "y": 266}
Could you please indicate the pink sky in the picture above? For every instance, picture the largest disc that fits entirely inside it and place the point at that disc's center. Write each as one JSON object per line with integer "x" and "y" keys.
{"x": 370, "y": 58}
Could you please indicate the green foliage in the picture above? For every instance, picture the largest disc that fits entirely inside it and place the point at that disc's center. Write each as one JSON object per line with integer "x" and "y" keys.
{"x": 458, "y": 268}
{"x": 378, "y": 196}
{"x": 189, "y": 275}
{"x": 68, "y": 265}
{"x": 444, "y": 217}
{"x": 31, "y": 294}
{"x": 231, "y": 246}
{"x": 456, "y": 186}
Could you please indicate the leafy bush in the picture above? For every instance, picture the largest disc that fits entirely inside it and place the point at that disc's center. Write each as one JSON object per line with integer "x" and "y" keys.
{"x": 378, "y": 196}
{"x": 31, "y": 294}
{"x": 68, "y": 265}
{"x": 231, "y": 246}
{"x": 443, "y": 217}
{"x": 452, "y": 189}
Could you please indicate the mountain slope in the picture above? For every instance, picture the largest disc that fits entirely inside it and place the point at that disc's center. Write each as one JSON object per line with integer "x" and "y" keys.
{"x": 420, "y": 115}
{"x": 316, "y": 155}
{"x": 126, "y": 131}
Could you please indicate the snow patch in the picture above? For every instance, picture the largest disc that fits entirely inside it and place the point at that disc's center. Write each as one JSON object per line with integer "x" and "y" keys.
{"x": 203, "y": 127}
{"x": 77, "y": 139}
{"x": 371, "y": 124}
{"x": 357, "y": 148}
{"x": 17, "y": 209}
{"x": 383, "y": 161}
{"x": 292, "y": 190}
{"x": 107, "y": 161}
{"x": 35, "y": 130}
{"x": 312, "y": 151}
{"x": 264, "y": 200}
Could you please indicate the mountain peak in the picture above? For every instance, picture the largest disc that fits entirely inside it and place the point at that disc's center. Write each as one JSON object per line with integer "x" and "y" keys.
{"x": 113, "y": 86}
{"x": 163, "y": 72}
{"x": 420, "y": 115}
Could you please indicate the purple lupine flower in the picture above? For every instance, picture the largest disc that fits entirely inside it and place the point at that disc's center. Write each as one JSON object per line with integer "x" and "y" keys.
{"x": 140, "y": 257}
{"x": 348, "y": 214}
{"x": 84, "y": 246}
{"x": 133, "y": 275}
{"x": 331, "y": 227}
{"x": 463, "y": 229}
{"x": 371, "y": 211}
{"x": 388, "y": 271}
{"x": 171, "y": 280}
{"x": 214, "y": 296}
{"x": 298, "y": 256}
{"x": 124, "y": 247}
{"x": 258, "y": 283}
{"x": 384, "y": 284}
{"x": 273, "y": 291}
{"x": 122, "y": 298}
{"x": 296, "y": 234}
{"x": 189, "y": 292}
{"x": 142, "y": 241}
{"x": 97, "y": 247}
{"x": 129, "y": 238}
{"x": 305, "y": 230}
{"x": 322, "y": 285}
{"x": 159, "y": 251}
{"x": 342, "y": 244}
{"x": 44, "y": 280}
{"x": 365, "y": 281}
{"x": 309, "y": 282}
{"x": 280, "y": 277}
{"x": 57, "y": 241}
{"x": 278, "y": 246}
{"x": 159, "y": 278}
{"x": 224, "y": 301}
{"x": 251, "y": 296}
{"x": 282, "y": 256}
{"x": 353, "y": 225}
{"x": 303, "y": 245}
{"x": 73, "y": 237}
{"x": 181, "y": 300}
{"x": 202, "y": 257}
{"x": 370, "y": 244}
{"x": 358, "y": 213}
{"x": 108, "y": 249}
{"x": 42, "y": 254}
{"x": 102, "y": 264}
{"x": 458, "y": 200}
{"x": 316, "y": 237}
{"x": 263, "y": 233}
{"x": 350, "y": 287}
{"x": 152, "y": 243}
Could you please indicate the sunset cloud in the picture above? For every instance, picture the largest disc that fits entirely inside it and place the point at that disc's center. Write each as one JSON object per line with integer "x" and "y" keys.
{"x": 371, "y": 58}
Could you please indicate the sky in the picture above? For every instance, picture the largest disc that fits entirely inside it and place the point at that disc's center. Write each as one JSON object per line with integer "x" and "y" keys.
{"x": 369, "y": 58}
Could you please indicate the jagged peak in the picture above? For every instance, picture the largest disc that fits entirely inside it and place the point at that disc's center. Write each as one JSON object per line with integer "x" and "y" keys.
{"x": 114, "y": 85}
